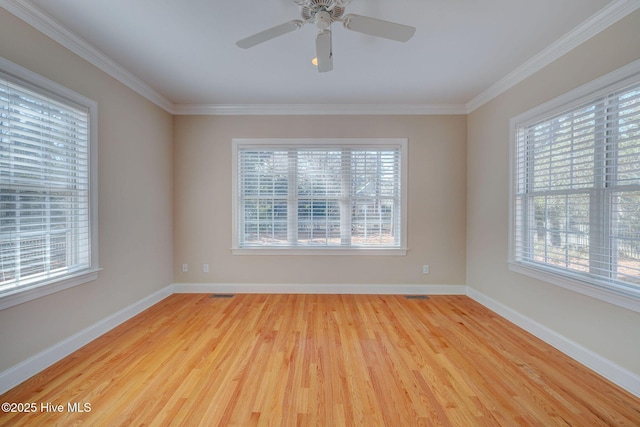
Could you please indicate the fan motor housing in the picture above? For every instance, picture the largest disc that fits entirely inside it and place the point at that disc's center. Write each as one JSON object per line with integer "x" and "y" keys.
{"x": 312, "y": 7}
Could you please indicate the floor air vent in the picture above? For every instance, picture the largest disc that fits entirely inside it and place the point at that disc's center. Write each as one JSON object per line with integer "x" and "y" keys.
{"x": 221, "y": 296}
{"x": 417, "y": 296}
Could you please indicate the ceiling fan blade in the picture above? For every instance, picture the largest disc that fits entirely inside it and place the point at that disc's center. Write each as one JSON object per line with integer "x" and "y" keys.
{"x": 269, "y": 34}
{"x": 323, "y": 51}
{"x": 378, "y": 27}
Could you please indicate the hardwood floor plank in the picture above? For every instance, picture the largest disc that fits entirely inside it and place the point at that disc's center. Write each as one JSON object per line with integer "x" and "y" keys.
{"x": 339, "y": 360}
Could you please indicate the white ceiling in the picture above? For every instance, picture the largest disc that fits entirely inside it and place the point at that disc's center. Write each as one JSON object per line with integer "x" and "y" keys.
{"x": 185, "y": 50}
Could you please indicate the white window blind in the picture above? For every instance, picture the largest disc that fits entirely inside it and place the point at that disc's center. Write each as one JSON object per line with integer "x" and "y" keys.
{"x": 577, "y": 192}
{"x": 319, "y": 195}
{"x": 45, "y": 197}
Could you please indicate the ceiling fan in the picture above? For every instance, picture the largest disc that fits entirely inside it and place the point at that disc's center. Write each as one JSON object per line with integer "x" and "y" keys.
{"x": 322, "y": 13}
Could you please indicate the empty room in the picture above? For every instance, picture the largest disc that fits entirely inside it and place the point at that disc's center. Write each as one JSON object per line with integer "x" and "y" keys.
{"x": 320, "y": 212}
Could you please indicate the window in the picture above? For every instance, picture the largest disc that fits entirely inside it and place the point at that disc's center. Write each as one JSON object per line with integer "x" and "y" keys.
{"x": 576, "y": 192}
{"x": 46, "y": 187}
{"x": 309, "y": 195}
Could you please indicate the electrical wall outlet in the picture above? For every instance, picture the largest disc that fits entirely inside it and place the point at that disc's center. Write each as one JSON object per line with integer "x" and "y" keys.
{"x": 205, "y": 268}
{"x": 425, "y": 269}
{"x": 185, "y": 268}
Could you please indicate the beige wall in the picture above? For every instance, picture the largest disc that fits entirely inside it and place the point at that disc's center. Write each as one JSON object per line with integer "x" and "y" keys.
{"x": 436, "y": 195}
{"x": 135, "y": 200}
{"x": 600, "y": 327}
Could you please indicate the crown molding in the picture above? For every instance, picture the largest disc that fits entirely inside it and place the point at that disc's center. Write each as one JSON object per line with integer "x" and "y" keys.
{"x": 316, "y": 109}
{"x": 606, "y": 17}
{"x": 51, "y": 28}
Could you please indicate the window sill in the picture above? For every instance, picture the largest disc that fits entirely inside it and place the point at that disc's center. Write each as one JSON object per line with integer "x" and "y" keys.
{"x": 22, "y": 295}
{"x": 320, "y": 251}
{"x": 623, "y": 297}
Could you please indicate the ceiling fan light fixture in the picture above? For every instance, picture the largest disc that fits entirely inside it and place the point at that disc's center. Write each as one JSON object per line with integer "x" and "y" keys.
{"x": 322, "y": 13}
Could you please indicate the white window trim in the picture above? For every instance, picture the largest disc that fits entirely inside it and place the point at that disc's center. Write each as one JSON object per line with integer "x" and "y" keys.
{"x": 592, "y": 287}
{"x": 288, "y": 250}
{"x": 38, "y": 82}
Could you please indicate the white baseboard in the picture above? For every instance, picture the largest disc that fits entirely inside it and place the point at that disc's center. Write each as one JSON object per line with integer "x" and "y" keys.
{"x": 26, "y": 369}
{"x": 603, "y": 366}
{"x": 239, "y": 288}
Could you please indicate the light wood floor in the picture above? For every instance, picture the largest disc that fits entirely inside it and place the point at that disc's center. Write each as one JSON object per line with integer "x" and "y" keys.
{"x": 326, "y": 360}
